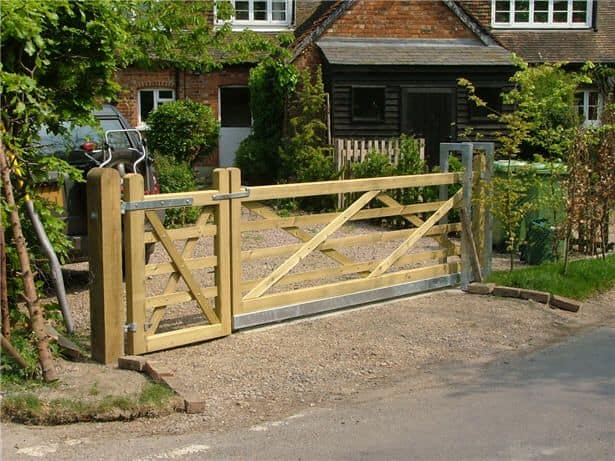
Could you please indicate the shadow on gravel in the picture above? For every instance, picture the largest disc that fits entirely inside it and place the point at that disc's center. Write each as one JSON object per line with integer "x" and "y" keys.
{"x": 584, "y": 364}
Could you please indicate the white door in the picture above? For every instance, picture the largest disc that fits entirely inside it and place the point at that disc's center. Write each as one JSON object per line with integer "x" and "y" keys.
{"x": 235, "y": 121}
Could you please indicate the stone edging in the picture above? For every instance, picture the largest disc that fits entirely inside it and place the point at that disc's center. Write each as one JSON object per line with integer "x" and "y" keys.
{"x": 544, "y": 297}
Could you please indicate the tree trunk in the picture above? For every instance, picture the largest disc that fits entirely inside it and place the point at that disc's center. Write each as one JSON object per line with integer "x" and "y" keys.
{"x": 4, "y": 295}
{"x": 31, "y": 296}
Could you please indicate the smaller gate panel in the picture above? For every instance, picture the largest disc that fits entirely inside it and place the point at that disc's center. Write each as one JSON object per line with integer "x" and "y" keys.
{"x": 183, "y": 294}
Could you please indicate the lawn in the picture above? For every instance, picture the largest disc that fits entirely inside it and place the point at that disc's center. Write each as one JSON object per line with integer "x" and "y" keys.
{"x": 585, "y": 277}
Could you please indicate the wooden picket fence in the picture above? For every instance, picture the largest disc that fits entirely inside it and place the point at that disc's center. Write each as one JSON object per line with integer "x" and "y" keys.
{"x": 201, "y": 286}
{"x": 353, "y": 150}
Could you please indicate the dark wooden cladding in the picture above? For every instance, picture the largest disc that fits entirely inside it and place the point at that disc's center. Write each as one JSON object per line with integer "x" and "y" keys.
{"x": 400, "y": 79}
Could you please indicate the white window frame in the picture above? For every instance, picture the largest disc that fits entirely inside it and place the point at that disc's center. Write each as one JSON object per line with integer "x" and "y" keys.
{"x": 550, "y": 24}
{"x": 585, "y": 106}
{"x": 266, "y": 25}
{"x": 157, "y": 102}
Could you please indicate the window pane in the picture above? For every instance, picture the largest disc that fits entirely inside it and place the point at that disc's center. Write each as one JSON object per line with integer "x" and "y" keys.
{"x": 579, "y": 11}
{"x": 165, "y": 94}
{"x": 260, "y": 10}
{"x": 560, "y": 11}
{"x": 368, "y": 103}
{"x": 502, "y": 11}
{"x": 593, "y": 98}
{"x": 146, "y": 103}
{"x": 522, "y": 11}
{"x": 541, "y": 11}
{"x": 116, "y": 140}
{"x": 242, "y": 10}
{"x": 278, "y": 10}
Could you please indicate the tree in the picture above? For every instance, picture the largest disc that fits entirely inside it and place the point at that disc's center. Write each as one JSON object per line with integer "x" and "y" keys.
{"x": 59, "y": 58}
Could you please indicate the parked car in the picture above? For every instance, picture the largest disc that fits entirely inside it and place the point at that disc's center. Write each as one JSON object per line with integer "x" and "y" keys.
{"x": 111, "y": 144}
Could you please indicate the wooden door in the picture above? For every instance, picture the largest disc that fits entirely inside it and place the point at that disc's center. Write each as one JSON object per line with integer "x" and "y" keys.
{"x": 429, "y": 115}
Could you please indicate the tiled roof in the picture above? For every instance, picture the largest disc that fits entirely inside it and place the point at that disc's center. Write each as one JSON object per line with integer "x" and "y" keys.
{"x": 551, "y": 45}
{"x": 438, "y": 52}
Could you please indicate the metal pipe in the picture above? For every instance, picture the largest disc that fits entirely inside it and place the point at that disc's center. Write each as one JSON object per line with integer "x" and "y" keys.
{"x": 54, "y": 263}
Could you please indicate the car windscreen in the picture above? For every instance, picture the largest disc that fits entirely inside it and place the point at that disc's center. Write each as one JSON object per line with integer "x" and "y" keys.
{"x": 75, "y": 136}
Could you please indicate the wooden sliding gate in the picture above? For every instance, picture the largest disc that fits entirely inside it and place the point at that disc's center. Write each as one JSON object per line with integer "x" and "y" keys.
{"x": 246, "y": 261}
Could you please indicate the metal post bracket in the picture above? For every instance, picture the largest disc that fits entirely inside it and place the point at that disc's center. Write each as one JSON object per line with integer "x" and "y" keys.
{"x": 241, "y": 194}
{"x": 155, "y": 204}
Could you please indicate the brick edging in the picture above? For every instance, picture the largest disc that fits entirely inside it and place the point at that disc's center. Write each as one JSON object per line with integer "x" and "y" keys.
{"x": 544, "y": 297}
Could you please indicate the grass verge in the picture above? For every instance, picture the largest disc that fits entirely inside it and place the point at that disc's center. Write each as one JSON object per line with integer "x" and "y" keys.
{"x": 153, "y": 400}
{"x": 585, "y": 277}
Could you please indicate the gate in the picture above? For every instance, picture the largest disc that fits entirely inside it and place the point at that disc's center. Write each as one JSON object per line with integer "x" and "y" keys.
{"x": 244, "y": 263}
{"x": 188, "y": 288}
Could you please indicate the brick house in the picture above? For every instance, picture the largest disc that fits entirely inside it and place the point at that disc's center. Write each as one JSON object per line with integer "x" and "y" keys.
{"x": 391, "y": 67}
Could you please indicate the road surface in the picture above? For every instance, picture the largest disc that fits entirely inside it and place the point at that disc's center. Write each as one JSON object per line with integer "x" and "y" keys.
{"x": 555, "y": 404}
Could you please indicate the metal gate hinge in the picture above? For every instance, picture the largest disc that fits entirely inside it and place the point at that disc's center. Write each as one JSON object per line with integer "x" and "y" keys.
{"x": 155, "y": 204}
{"x": 132, "y": 327}
{"x": 241, "y": 194}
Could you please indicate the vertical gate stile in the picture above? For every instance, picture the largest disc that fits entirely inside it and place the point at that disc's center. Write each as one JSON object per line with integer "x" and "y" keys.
{"x": 235, "y": 243}
{"x": 134, "y": 264}
{"x": 466, "y": 268}
{"x": 222, "y": 248}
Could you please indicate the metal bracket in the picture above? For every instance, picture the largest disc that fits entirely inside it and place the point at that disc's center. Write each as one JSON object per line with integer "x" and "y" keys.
{"x": 155, "y": 204}
{"x": 241, "y": 194}
{"x": 132, "y": 327}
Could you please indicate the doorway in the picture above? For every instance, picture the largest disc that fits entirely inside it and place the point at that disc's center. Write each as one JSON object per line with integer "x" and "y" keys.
{"x": 429, "y": 114}
{"x": 235, "y": 121}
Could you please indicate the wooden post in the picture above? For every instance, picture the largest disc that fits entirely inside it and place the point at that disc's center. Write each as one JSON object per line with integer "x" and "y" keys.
{"x": 105, "y": 255}
{"x": 479, "y": 165}
{"x": 235, "y": 236}
{"x": 486, "y": 174}
{"x": 222, "y": 249}
{"x": 134, "y": 254}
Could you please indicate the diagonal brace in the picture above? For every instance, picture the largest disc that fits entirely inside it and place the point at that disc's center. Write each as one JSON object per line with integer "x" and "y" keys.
{"x": 386, "y": 263}
{"x": 310, "y": 246}
{"x": 182, "y": 267}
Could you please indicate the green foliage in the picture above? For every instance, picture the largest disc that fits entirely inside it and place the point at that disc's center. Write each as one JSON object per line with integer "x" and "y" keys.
{"x": 584, "y": 278}
{"x": 176, "y": 176}
{"x": 305, "y": 154}
{"x": 543, "y": 124}
{"x": 410, "y": 162}
{"x": 375, "y": 165}
{"x": 271, "y": 83}
{"x": 153, "y": 399}
{"x": 183, "y": 129}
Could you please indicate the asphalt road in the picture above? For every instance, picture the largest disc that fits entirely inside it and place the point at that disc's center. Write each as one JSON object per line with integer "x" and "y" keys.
{"x": 556, "y": 404}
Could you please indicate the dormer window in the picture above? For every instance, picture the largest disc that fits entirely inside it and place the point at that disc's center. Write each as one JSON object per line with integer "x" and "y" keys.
{"x": 541, "y": 14}
{"x": 263, "y": 15}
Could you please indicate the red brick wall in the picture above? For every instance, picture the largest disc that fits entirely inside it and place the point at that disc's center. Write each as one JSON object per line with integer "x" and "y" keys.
{"x": 399, "y": 19}
{"x": 202, "y": 88}
{"x": 310, "y": 58}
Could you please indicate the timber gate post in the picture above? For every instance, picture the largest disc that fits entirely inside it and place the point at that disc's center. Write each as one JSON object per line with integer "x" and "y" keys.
{"x": 105, "y": 256}
{"x": 483, "y": 218}
{"x": 235, "y": 242}
{"x": 222, "y": 250}
{"x": 134, "y": 264}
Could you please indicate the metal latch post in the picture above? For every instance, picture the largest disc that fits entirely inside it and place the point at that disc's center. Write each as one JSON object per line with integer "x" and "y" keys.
{"x": 241, "y": 194}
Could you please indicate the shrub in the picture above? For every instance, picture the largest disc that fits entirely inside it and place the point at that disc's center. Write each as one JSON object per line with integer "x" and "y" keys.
{"x": 271, "y": 83}
{"x": 183, "y": 129}
{"x": 373, "y": 166}
{"x": 176, "y": 176}
{"x": 410, "y": 162}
